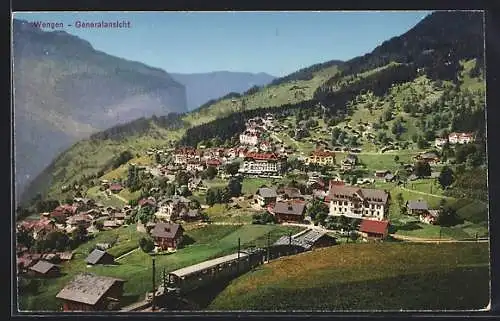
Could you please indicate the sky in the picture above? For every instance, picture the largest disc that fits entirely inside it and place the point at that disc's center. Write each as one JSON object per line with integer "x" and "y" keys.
{"x": 277, "y": 43}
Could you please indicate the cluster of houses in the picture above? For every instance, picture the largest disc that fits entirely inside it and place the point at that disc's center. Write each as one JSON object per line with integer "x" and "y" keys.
{"x": 65, "y": 218}
{"x": 255, "y": 128}
{"x": 288, "y": 205}
{"x": 83, "y": 212}
{"x": 455, "y": 138}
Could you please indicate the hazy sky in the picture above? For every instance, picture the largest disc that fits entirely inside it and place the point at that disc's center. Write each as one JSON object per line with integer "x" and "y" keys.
{"x": 277, "y": 43}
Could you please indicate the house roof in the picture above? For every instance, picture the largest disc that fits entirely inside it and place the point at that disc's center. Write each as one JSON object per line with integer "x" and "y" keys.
{"x": 115, "y": 186}
{"x": 322, "y": 153}
{"x": 207, "y": 264}
{"x": 389, "y": 176}
{"x": 266, "y": 192}
{"x": 214, "y": 162}
{"x": 65, "y": 255}
{"x": 371, "y": 195}
{"x": 417, "y": 205}
{"x": 95, "y": 256}
{"x": 433, "y": 213}
{"x": 262, "y": 156}
{"x": 146, "y": 201}
{"x": 165, "y": 230}
{"x": 372, "y": 226}
{"x": 109, "y": 223}
{"x": 292, "y": 192}
{"x": 305, "y": 240}
{"x": 87, "y": 288}
{"x": 42, "y": 267}
{"x": 290, "y": 208}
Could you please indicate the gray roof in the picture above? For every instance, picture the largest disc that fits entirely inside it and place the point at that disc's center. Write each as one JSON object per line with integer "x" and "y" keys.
{"x": 292, "y": 192}
{"x": 165, "y": 230}
{"x": 340, "y": 192}
{"x": 95, "y": 256}
{"x": 42, "y": 267}
{"x": 266, "y": 192}
{"x": 417, "y": 205}
{"x": 305, "y": 240}
{"x": 389, "y": 176}
{"x": 293, "y": 208}
{"x": 207, "y": 264}
{"x": 87, "y": 288}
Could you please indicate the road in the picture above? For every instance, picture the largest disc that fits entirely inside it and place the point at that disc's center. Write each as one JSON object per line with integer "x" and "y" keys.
{"x": 124, "y": 255}
{"x": 425, "y": 193}
{"x": 433, "y": 240}
{"x": 120, "y": 198}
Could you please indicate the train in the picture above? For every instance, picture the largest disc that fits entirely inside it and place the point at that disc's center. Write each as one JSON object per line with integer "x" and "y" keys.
{"x": 193, "y": 277}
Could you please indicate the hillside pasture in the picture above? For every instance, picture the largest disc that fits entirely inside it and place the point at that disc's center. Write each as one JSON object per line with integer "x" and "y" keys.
{"x": 364, "y": 277}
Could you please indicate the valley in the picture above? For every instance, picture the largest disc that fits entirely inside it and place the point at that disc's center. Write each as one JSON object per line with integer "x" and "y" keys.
{"x": 364, "y": 181}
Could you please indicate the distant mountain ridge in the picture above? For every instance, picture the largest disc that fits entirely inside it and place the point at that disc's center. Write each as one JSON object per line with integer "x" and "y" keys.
{"x": 434, "y": 47}
{"x": 64, "y": 90}
{"x": 202, "y": 87}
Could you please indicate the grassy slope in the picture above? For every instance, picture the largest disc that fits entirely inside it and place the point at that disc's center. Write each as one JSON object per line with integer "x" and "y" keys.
{"x": 366, "y": 277}
{"x": 207, "y": 242}
{"x": 272, "y": 95}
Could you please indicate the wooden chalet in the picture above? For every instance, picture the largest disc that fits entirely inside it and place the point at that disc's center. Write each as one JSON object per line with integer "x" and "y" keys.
{"x": 289, "y": 211}
{"x": 90, "y": 292}
{"x": 167, "y": 235}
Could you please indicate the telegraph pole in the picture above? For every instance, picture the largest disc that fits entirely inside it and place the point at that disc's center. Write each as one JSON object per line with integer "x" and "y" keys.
{"x": 164, "y": 280}
{"x": 153, "y": 302}
{"x": 238, "y": 262}
{"x": 268, "y": 245}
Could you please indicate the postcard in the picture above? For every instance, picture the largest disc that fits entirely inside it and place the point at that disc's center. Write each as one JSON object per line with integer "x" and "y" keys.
{"x": 250, "y": 161}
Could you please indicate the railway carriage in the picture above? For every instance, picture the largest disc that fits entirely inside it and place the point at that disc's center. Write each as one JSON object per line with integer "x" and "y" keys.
{"x": 195, "y": 276}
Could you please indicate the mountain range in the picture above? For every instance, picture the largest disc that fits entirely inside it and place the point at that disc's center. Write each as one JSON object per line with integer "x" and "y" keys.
{"x": 64, "y": 90}
{"x": 436, "y": 47}
{"x": 202, "y": 87}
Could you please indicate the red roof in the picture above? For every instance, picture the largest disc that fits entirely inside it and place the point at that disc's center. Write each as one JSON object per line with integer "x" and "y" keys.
{"x": 115, "y": 187}
{"x": 262, "y": 156}
{"x": 145, "y": 201}
{"x": 214, "y": 162}
{"x": 322, "y": 153}
{"x": 371, "y": 226}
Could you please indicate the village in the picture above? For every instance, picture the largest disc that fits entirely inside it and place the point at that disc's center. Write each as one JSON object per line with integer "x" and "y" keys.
{"x": 313, "y": 191}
